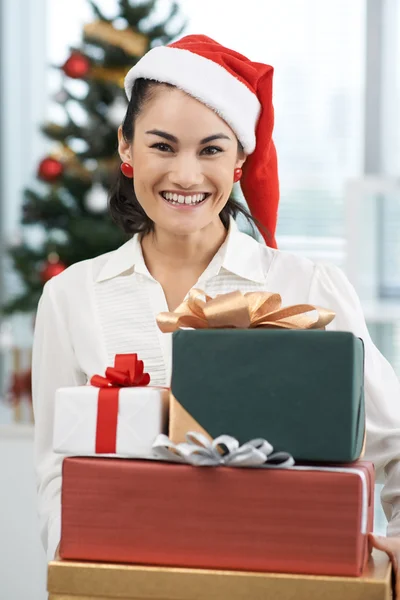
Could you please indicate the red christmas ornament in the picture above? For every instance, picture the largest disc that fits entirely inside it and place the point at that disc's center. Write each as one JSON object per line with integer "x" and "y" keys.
{"x": 52, "y": 267}
{"x": 50, "y": 169}
{"x": 20, "y": 386}
{"x": 77, "y": 66}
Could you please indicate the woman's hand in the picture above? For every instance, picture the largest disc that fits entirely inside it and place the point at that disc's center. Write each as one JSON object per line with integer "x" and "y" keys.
{"x": 390, "y": 545}
{"x": 57, "y": 554}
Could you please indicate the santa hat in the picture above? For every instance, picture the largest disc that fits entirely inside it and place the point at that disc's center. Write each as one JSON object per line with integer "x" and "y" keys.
{"x": 240, "y": 92}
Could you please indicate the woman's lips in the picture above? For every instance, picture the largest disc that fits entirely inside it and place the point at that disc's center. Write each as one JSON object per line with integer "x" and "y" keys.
{"x": 183, "y": 205}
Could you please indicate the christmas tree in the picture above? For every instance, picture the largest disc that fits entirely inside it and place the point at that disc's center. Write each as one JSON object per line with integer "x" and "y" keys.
{"x": 71, "y": 205}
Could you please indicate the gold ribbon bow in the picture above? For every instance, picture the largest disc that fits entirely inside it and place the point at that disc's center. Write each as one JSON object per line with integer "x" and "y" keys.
{"x": 236, "y": 310}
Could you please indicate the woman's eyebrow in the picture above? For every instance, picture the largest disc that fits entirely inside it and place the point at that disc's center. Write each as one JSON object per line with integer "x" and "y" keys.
{"x": 216, "y": 136}
{"x": 174, "y": 139}
{"x": 164, "y": 134}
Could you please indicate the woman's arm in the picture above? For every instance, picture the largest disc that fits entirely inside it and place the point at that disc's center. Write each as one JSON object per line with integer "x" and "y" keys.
{"x": 331, "y": 289}
{"x": 53, "y": 365}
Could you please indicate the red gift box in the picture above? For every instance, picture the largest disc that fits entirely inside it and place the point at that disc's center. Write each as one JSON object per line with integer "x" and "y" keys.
{"x": 301, "y": 520}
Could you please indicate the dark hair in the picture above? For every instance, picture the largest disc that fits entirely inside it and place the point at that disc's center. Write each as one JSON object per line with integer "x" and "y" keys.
{"x": 125, "y": 209}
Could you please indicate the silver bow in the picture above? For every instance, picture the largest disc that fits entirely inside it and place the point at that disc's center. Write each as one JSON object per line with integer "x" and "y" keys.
{"x": 199, "y": 451}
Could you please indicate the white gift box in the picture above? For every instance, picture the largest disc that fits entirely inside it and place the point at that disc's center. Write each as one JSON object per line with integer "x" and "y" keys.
{"x": 142, "y": 416}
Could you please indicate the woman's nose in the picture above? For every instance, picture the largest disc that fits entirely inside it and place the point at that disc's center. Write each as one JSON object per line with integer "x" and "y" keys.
{"x": 186, "y": 171}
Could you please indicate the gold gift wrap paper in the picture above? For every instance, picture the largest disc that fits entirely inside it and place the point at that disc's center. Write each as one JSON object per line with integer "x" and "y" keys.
{"x": 69, "y": 580}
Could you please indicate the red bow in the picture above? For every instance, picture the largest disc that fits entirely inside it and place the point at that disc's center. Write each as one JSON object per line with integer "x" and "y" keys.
{"x": 127, "y": 371}
{"x": 20, "y": 386}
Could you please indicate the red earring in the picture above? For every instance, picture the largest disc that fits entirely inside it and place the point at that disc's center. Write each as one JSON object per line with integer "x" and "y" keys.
{"x": 127, "y": 170}
{"x": 237, "y": 174}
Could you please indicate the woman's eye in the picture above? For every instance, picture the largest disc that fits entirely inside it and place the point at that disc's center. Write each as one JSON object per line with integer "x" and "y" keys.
{"x": 163, "y": 147}
{"x": 210, "y": 150}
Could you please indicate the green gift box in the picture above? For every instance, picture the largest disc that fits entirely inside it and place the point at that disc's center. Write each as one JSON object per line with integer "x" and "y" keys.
{"x": 302, "y": 390}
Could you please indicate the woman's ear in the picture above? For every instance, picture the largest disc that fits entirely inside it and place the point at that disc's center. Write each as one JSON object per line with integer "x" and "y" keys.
{"x": 241, "y": 157}
{"x": 124, "y": 148}
{"x": 240, "y": 160}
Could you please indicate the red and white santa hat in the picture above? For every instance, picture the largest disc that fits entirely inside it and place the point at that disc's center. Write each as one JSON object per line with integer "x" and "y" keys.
{"x": 240, "y": 92}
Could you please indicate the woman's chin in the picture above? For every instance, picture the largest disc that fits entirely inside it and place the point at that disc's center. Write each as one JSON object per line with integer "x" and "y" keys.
{"x": 182, "y": 229}
{"x": 182, "y": 225}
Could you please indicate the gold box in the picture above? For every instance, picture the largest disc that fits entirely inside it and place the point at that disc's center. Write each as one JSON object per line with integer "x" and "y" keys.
{"x": 69, "y": 580}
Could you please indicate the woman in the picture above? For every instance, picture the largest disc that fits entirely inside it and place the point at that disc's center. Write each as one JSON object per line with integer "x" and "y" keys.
{"x": 200, "y": 117}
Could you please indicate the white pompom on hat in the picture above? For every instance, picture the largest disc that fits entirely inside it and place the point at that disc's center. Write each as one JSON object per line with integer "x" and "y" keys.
{"x": 240, "y": 92}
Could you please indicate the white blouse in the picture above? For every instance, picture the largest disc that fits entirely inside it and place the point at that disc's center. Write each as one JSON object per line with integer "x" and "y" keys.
{"x": 108, "y": 305}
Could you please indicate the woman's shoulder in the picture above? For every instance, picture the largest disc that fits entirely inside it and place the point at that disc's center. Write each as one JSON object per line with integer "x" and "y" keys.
{"x": 280, "y": 263}
{"x": 289, "y": 271}
{"x": 284, "y": 259}
{"x": 81, "y": 274}
{"x": 289, "y": 263}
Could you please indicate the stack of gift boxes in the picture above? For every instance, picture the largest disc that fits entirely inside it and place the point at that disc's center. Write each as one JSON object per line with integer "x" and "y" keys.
{"x": 283, "y": 490}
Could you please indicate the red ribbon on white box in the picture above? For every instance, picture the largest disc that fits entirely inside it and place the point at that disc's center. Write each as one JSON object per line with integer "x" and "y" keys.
{"x": 128, "y": 371}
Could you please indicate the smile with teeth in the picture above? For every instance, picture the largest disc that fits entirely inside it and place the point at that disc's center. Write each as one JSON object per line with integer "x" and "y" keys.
{"x": 193, "y": 199}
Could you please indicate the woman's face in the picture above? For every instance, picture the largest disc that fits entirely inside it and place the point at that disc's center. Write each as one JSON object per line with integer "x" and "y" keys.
{"x": 183, "y": 155}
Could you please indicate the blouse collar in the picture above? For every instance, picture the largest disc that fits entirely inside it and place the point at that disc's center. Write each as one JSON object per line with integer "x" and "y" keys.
{"x": 240, "y": 254}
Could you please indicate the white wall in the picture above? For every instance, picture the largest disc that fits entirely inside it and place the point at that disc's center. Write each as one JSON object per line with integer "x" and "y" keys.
{"x": 22, "y": 558}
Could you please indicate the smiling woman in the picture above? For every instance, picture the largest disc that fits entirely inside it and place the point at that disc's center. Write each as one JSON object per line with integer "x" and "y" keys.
{"x": 162, "y": 138}
{"x": 200, "y": 117}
